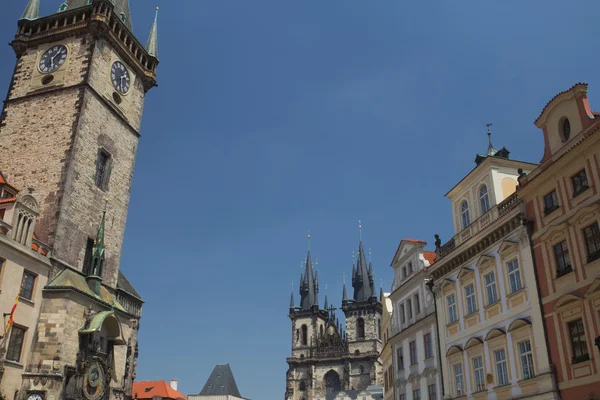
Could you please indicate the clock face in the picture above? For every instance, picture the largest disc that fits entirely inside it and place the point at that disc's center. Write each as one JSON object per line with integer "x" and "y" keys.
{"x": 35, "y": 396}
{"x": 120, "y": 77}
{"x": 53, "y": 59}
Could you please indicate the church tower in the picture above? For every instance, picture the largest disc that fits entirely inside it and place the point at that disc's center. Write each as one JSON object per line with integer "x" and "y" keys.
{"x": 69, "y": 132}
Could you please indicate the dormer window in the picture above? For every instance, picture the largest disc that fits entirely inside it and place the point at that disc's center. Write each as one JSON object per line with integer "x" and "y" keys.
{"x": 566, "y": 129}
{"x": 464, "y": 213}
{"x": 484, "y": 200}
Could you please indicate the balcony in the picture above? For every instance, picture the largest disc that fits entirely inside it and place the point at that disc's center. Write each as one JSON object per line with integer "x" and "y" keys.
{"x": 496, "y": 212}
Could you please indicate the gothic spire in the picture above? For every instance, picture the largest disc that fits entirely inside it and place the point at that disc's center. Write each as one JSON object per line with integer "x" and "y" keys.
{"x": 491, "y": 150}
{"x": 344, "y": 294}
{"x": 121, "y": 8}
{"x": 326, "y": 303}
{"x": 363, "y": 288}
{"x": 292, "y": 306}
{"x": 32, "y": 11}
{"x": 152, "y": 44}
{"x": 308, "y": 291}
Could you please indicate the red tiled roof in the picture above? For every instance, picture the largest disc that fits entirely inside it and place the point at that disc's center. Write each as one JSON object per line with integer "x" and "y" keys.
{"x": 149, "y": 389}
{"x": 429, "y": 256}
{"x": 5, "y": 201}
{"x": 552, "y": 99}
{"x": 413, "y": 240}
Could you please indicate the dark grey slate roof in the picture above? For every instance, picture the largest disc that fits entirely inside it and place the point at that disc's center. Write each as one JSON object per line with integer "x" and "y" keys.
{"x": 126, "y": 286}
{"x": 221, "y": 382}
{"x": 308, "y": 286}
{"x": 121, "y": 6}
{"x": 362, "y": 282}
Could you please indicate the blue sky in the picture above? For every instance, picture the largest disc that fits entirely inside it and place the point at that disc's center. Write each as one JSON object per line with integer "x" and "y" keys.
{"x": 274, "y": 117}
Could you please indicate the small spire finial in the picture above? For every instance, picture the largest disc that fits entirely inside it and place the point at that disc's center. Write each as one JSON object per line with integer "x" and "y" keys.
{"x": 370, "y": 255}
{"x": 352, "y": 257}
{"x": 359, "y": 231}
{"x": 308, "y": 240}
{"x": 491, "y": 150}
{"x": 381, "y": 283}
{"x": 152, "y": 43}
{"x": 344, "y": 278}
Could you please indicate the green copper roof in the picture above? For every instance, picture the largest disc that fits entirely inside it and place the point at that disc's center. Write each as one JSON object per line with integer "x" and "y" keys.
{"x": 152, "y": 44}
{"x": 97, "y": 322}
{"x": 121, "y": 9}
{"x": 72, "y": 279}
{"x": 32, "y": 11}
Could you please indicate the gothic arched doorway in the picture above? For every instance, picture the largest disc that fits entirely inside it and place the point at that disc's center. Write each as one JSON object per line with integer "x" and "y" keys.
{"x": 333, "y": 384}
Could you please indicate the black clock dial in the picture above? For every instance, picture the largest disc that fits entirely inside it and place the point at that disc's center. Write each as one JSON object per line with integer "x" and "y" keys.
{"x": 53, "y": 58}
{"x": 120, "y": 77}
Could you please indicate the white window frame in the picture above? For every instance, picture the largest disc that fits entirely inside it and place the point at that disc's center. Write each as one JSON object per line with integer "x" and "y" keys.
{"x": 478, "y": 374}
{"x": 452, "y": 311}
{"x": 514, "y": 275}
{"x": 491, "y": 288}
{"x": 459, "y": 379}
{"x": 470, "y": 299}
{"x": 501, "y": 367}
{"x": 484, "y": 199}
{"x": 465, "y": 216}
{"x": 526, "y": 358}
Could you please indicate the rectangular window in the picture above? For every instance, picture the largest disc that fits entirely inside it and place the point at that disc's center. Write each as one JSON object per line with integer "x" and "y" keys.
{"x": 27, "y": 282}
{"x": 409, "y": 309}
{"x": 514, "y": 275}
{"x": 563, "y": 260}
{"x": 404, "y": 275}
{"x": 431, "y": 392}
{"x": 458, "y": 379}
{"x": 526, "y": 356}
{"x": 15, "y": 345}
{"x": 103, "y": 167}
{"x": 413, "y": 352}
{"x": 400, "y": 358}
{"x": 578, "y": 341}
{"x": 592, "y": 241}
{"x": 451, "y": 300}
{"x": 410, "y": 268}
{"x": 416, "y": 394}
{"x": 427, "y": 345}
{"x": 417, "y": 305}
{"x": 402, "y": 317}
{"x": 490, "y": 288}
{"x": 470, "y": 296}
{"x": 501, "y": 367}
{"x": 87, "y": 258}
{"x": 478, "y": 374}
{"x": 402, "y": 396}
{"x": 580, "y": 182}
{"x": 550, "y": 202}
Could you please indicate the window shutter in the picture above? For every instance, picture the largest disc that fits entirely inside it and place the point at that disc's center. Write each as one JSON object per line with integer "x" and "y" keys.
{"x": 107, "y": 170}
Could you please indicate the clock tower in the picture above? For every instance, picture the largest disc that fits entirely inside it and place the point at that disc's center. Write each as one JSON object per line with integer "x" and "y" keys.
{"x": 69, "y": 133}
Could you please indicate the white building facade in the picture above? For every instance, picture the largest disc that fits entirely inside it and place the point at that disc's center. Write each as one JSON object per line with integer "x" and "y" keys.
{"x": 413, "y": 336}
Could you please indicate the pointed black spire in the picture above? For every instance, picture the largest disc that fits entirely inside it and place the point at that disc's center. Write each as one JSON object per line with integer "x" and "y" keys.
{"x": 344, "y": 295}
{"x": 326, "y": 303}
{"x": 363, "y": 288}
{"x": 307, "y": 290}
{"x": 292, "y": 306}
{"x": 381, "y": 293}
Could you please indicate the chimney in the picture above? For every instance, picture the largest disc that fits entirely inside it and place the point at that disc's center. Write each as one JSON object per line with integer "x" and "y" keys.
{"x": 174, "y": 384}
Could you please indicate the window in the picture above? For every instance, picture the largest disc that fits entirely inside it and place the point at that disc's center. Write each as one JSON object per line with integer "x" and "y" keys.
{"x": 400, "y": 359}
{"x": 464, "y": 213}
{"x": 514, "y": 275}
{"x": 566, "y": 129}
{"x": 103, "y": 167}
{"x": 592, "y": 241}
{"x": 478, "y": 374}
{"x": 431, "y": 392}
{"x": 427, "y": 345}
{"x": 417, "y": 305}
{"x": 402, "y": 396}
{"x": 360, "y": 328}
{"x": 580, "y": 182}
{"x": 484, "y": 201}
{"x": 526, "y": 356}
{"x": 563, "y": 261}
{"x": 410, "y": 268}
{"x": 550, "y": 202}
{"x": 409, "y": 308}
{"x": 15, "y": 345}
{"x": 402, "y": 317}
{"x": 416, "y": 394}
{"x": 458, "y": 379}
{"x": 451, "y": 308}
{"x": 304, "y": 335}
{"x": 578, "y": 341}
{"x": 490, "y": 288}
{"x": 27, "y": 282}
{"x": 404, "y": 274}
{"x": 87, "y": 259}
{"x": 413, "y": 352}
{"x": 471, "y": 301}
{"x": 501, "y": 368}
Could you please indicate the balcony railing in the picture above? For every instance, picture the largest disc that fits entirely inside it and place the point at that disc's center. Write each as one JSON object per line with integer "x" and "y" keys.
{"x": 498, "y": 211}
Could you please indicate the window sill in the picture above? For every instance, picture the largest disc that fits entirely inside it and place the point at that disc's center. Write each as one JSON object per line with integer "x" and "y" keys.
{"x": 565, "y": 272}
{"x": 580, "y": 191}
{"x": 515, "y": 292}
{"x": 502, "y": 386}
{"x": 450, "y": 324}
{"x": 580, "y": 360}
{"x": 13, "y": 364}
{"x": 473, "y": 313}
{"x": 593, "y": 257}
{"x": 548, "y": 211}
{"x": 492, "y": 304}
{"x": 27, "y": 301}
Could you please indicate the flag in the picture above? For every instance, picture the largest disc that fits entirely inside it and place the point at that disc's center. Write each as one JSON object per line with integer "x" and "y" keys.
{"x": 14, "y": 307}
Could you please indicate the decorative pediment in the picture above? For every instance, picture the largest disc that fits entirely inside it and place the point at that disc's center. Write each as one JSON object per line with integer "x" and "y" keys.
{"x": 485, "y": 261}
{"x": 566, "y": 300}
{"x": 465, "y": 273}
{"x": 518, "y": 323}
{"x": 587, "y": 215}
{"x": 508, "y": 246}
{"x": 29, "y": 202}
{"x": 445, "y": 283}
{"x": 473, "y": 342}
{"x": 454, "y": 350}
{"x": 555, "y": 232}
{"x": 594, "y": 289}
{"x": 494, "y": 333}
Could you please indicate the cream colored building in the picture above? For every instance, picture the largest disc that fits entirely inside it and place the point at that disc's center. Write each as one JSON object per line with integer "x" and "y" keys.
{"x": 413, "y": 335}
{"x": 386, "y": 352}
{"x": 23, "y": 262}
{"x": 488, "y": 312}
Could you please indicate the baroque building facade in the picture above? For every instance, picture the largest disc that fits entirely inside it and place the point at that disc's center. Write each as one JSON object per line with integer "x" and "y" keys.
{"x": 488, "y": 312}
{"x": 563, "y": 207}
{"x": 386, "y": 355}
{"x": 69, "y": 131}
{"x": 327, "y": 361}
{"x": 413, "y": 337}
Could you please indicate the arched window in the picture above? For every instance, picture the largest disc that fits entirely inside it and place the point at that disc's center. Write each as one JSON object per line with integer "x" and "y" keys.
{"x": 333, "y": 384}
{"x": 304, "y": 335}
{"x": 360, "y": 328}
{"x": 321, "y": 330}
{"x": 566, "y": 129}
{"x": 464, "y": 214}
{"x": 484, "y": 200}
